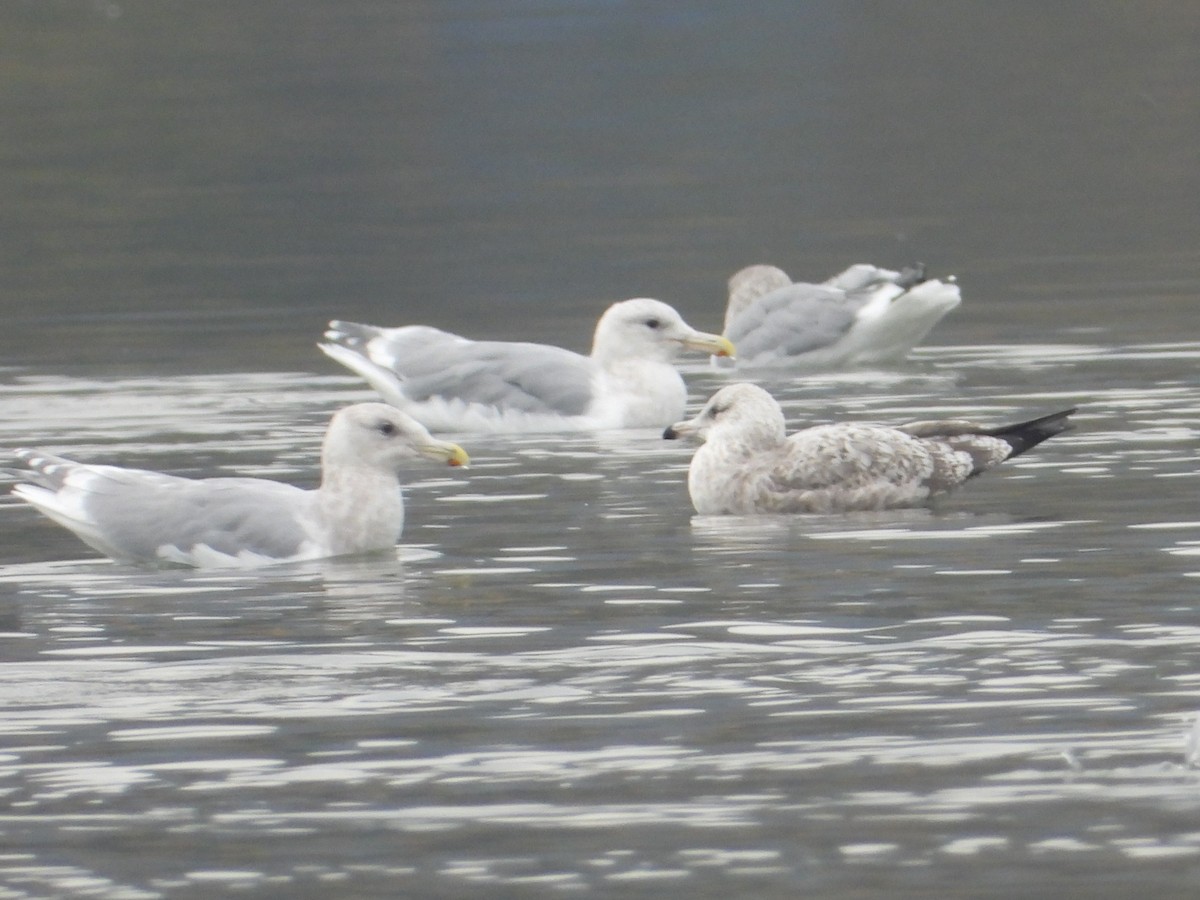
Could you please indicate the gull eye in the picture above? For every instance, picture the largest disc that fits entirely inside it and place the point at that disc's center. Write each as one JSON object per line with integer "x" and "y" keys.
{"x": 654, "y": 324}
{"x": 714, "y": 411}
{"x": 387, "y": 429}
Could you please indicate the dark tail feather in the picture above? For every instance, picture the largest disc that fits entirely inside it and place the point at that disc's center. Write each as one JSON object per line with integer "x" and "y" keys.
{"x": 1024, "y": 435}
{"x": 911, "y": 275}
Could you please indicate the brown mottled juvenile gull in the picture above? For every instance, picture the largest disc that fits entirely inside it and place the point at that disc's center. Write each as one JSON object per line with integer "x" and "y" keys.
{"x": 861, "y": 316}
{"x": 748, "y": 464}
{"x": 138, "y": 516}
{"x": 453, "y": 383}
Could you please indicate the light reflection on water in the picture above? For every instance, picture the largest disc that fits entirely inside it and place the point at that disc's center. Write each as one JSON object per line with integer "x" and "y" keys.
{"x": 560, "y": 648}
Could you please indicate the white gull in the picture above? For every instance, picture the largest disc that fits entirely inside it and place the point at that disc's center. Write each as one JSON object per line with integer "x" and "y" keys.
{"x": 450, "y": 382}
{"x": 133, "y": 515}
{"x": 861, "y": 316}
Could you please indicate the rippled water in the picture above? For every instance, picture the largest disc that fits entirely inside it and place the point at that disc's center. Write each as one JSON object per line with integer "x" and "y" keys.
{"x": 564, "y": 683}
{"x": 564, "y": 680}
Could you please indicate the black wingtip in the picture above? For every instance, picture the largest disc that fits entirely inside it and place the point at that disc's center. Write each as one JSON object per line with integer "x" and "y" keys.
{"x": 670, "y": 434}
{"x": 1023, "y": 436}
{"x": 911, "y": 275}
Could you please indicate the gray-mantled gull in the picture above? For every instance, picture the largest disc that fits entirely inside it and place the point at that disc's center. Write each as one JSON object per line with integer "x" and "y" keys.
{"x": 863, "y": 315}
{"x": 748, "y": 464}
{"x": 138, "y": 516}
{"x": 453, "y": 383}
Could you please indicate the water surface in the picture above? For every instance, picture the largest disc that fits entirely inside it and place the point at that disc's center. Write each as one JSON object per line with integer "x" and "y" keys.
{"x": 563, "y": 682}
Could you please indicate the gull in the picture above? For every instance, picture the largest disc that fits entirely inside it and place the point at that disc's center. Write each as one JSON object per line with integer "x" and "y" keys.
{"x": 748, "y": 464}
{"x": 137, "y": 516}
{"x": 861, "y": 316}
{"x": 453, "y": 383}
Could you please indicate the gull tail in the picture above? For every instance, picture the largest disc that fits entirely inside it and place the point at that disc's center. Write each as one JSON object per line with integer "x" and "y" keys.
{"x": 1023, "y": 436}
{"x": 351, "y": 334}
{"x": 45, "y": 470}
{"x": 384, "y": 381}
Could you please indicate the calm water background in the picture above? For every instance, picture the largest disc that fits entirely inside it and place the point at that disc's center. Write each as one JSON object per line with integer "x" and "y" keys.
{"x": 564, "y": 683}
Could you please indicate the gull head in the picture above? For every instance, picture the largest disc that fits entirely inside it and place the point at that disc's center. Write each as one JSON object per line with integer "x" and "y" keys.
{"x": 381, "y": 437}
{"x": 748, "y": 284}
{"x": 650, "y": 329}
{"x": 742, "y": 413}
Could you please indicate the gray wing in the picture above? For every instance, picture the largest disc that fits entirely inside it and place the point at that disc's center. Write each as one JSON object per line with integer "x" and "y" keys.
{"x": 130, "y": 513}
{"x": 230, "y": 515}
{"x": 415, "y": 346}
{"x": 434, "y": 364}
{"x": 793, "y": 320}
{"x": 532, "y": 378}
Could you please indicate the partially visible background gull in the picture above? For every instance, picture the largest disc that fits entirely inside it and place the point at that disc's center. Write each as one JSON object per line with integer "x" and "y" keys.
{"x": 861, "y": 316}
{"x": 137, "y": 516}
{"x": 452, "y": 383}
{"x": 747, "y": 464}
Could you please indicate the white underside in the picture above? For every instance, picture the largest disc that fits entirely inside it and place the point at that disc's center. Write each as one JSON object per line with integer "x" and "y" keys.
{"x": 439, "y": 414}
{"x": 66, "y": 508}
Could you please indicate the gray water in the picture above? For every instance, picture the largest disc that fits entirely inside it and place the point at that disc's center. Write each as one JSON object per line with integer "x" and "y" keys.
{"x": 564, "y": 683}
